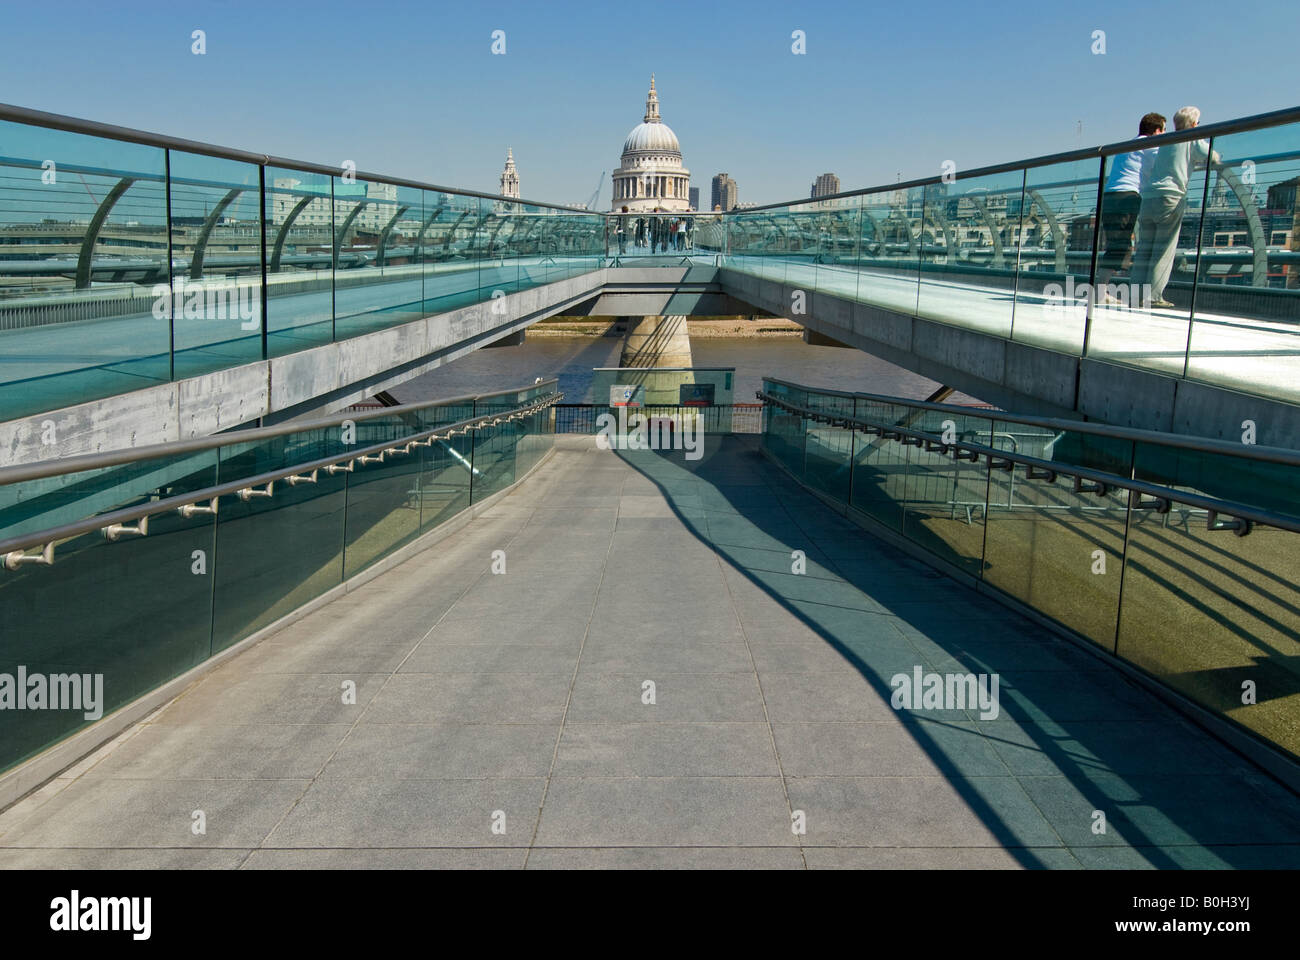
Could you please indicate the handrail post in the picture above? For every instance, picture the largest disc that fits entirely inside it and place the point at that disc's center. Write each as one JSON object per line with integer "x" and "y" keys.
{"x": 1196, "y": 267}
{"x": 261, "y": 222}
{"x": 1092, "y": 272}
{"x": 171, "y": 279}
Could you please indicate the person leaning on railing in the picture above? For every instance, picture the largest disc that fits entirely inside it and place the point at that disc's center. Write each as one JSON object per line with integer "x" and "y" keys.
{"x": 1121, "y": 202}
{"x": 1164, "y": 201}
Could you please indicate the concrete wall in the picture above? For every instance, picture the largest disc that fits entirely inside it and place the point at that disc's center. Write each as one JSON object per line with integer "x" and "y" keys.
{"x": 321, "y": 379}
{"x": 1024, "y": 378}
{"x": 1016, "y": 376}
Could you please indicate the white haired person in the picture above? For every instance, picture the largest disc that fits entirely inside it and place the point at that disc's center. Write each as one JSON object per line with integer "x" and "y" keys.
{"x": 1164, "y": 201}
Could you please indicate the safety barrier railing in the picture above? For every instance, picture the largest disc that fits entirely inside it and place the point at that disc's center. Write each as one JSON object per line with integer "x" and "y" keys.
{"x": 155, "y": 259}
{"x": 129, "y": 259}
{"x": 1178, "y": 555}
{"x": 195, "y": 551}
{"x": 1197, "y": 278}
{"x": 719, "y": 418}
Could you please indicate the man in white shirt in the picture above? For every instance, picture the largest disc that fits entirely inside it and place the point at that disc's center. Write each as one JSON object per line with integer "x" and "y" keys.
{"x": 1164, "y": 201}
{"x": 1121, "y": 202}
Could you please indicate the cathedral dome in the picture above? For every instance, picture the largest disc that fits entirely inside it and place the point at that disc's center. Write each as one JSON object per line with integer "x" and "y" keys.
{"x": 650, "y": 175}
{"x": 656, "y": 137}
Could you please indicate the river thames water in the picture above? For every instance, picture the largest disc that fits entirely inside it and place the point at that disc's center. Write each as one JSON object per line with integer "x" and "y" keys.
{"x": 571, "y": 359}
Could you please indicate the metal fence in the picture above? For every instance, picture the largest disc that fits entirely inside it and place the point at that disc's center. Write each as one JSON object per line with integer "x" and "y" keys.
{"x": 582, "y": 418}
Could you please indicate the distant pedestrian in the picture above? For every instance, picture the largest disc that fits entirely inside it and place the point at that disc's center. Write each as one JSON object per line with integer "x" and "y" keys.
{"x": 1121, "y": 202}
{"x": 622, "y": 231}
{"x": 1164, "y": 201}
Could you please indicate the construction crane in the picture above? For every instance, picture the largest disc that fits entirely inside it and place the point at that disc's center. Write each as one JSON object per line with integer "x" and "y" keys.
{"x": 591, "y": 204}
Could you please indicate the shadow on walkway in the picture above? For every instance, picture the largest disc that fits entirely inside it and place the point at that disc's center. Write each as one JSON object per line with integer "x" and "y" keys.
{"x": 1074, "y": 740}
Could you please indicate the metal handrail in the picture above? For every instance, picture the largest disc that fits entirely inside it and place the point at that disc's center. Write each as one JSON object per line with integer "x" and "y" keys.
{"x": 57, "y": 121}
{"x": 1201, "y": 132}
{"x": 93, "y": 461}
{"x": 111, "y": 131}
{"x": 11, "y": 549}
{"x": 1259, "y": 452}
{"x": 1039, "y": 469}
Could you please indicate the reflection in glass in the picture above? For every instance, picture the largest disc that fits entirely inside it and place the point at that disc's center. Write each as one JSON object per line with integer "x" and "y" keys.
{"x": 216, "y": 232}
{"x": 1058, "y": 212}
{"x": 1244, "y": 334}
{"x": 968, "y": 267}
{"x": 83, "y": 264}
{"x": 299, "y": 225}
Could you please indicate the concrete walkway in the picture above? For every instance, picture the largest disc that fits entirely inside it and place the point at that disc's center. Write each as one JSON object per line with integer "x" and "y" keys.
{"x": 500, "y": 720}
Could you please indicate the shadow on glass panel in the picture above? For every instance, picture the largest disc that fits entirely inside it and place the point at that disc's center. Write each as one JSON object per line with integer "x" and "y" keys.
{"x": 830, "y": 639}
{"x": 879, "y": 467}
{"x": 828, "y": 449}
{"x": 783, "y": 433}
{"x": 944, "y": 499}
{"x": 1237, "y": 622}
{"x": 33, "y": 505}
{"x": 1232, "y": 642}
{"x": 494, "y": 459}
{"x": 1055, "y": 545}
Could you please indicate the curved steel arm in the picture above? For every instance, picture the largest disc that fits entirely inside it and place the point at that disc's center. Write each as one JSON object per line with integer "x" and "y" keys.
{"x": 383, "y": 236}
{"x": 347, "y": 225}
{"x": 938, "y": 219}
{"x": 428, "y": 222}
{"x": 450, "y": 235}
{"x": 995, "y": 235}
{"x": 283, "y": 232}
{"x": 92, "y": 231}
{"x": 1250, "y": 210}
{"x": 907, "y": 228}
{"x": 201, "y": 245}
{"x": 1058, "y": 235}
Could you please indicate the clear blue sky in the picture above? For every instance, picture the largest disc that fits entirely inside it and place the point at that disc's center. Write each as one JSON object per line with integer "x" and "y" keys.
{"x": 412, "y": 89}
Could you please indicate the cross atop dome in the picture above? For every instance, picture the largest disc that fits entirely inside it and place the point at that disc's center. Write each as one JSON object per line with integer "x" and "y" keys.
{"x": 652, "y": 103}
